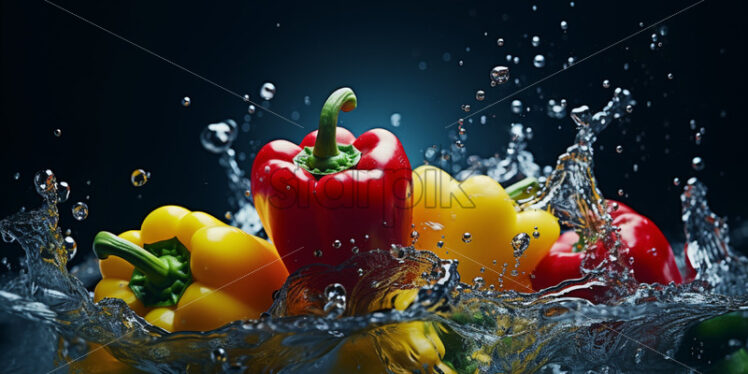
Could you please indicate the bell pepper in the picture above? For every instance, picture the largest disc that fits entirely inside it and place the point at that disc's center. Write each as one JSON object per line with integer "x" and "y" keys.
{"x": 188, "y": 270}
{"x": 644, "y": 248}
{"x": 476, "y": 222}
{"x": 405, "y": 347}
{"x": 334, "y": 194}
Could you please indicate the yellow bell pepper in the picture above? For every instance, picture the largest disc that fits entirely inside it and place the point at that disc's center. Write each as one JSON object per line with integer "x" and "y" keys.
{"x": 406, "y": 347}
{"x": 475, "y": 221}
{"x": 188, "y": 270}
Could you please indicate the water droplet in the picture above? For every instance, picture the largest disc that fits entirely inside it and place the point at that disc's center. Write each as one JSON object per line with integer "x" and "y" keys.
{"x": 606, "y": 83}
{"x": 63, "y": 191}
{"x": 500, "y": 42}
{"x": 478, "y": 283}
{"x": 539, "y": 61}
{"x": 80, "y": 211}
{"x": 251, "y": 109}
{"x": 186, "y": 101}
{"x": 500, "y": 74}
{"x": 520, "y": 242}
{"x": 629, "y": 108}
{"x": 336, "y": 244}
{"x": 440, "y": 244}
{"x": 70, "y": 246}
{"x": 17, "y": 176}
{"x": 139, "y": 177}
{"x": 228, "y": 215}
{"x": 676, "y": 181}
{"x": 57, "y": 133}
{"x": 335, "y": 299}
{"x": 535, "y": 41}
{"x": 44, "y": 181}
{"x": 219, "y": 355}
{"x": 536, "y": 233}
{"x": 218, "y": 137}
{"x": 480, "y": 95}
{"x": 318, "y": 253}
{"x": 465, "y": 107}
{"x": 564, "y": 25}
{"x": 515, "y": 60}
{"x": 467, "y": 237}
{"x": 395, "y": 119}
{"x": 517, "y": 106}
{"x": 246, "y": 98}
{"x": 459, "y": 143}
{"x": 621, "y": 192}
{"x": 697, "y": 163}
{"x": 267, "y": 91}
{"x": 670, "y": 76}
{"x": 619, "y": 149}
{"x": 631, "y": 260}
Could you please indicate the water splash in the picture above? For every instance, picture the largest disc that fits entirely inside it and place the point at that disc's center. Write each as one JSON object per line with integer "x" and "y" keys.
{"x": 312, "y": 319}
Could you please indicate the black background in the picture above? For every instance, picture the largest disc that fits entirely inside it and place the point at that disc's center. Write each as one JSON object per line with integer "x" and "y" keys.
{"x": 119, "y": 108}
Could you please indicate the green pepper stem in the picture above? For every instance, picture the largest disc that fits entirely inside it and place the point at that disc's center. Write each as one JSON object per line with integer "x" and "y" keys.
{"x": 155, "y": 269}
{"x": 326, "y": 145}
{"x": 523, "y": 189}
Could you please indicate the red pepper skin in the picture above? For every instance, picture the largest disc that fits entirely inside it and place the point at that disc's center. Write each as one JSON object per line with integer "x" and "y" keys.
{"x": 639, "y": 236}
{"x": 366, "y": 207}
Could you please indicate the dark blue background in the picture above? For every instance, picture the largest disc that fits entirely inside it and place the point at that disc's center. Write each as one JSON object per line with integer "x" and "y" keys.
{"x": 119, "y": 108}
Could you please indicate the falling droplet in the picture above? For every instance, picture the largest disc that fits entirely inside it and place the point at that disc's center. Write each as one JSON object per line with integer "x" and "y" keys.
{"x": 629, "y": 108}
{"x": 63, "y": 191}
{"x": 564, "y": 25}
{"x": 186, "y": 101}
{"x": 44, "y": 182}
{"x": 267, "y": 91}
{"x": 70, "y": 246}
{"x": 467, "y": 237}
{"x": 500, "y": 42}
{"x": 606, "y": 84}
{"x": 139, "y": 177}
{"x": 218, "y": 137}
{"x": 395, "y": 119}
{"x": 619, "y": 149}
{"x": 459, "y": 143}
{"x": 539, "y": 61}
{"x": 621, "y": 192}
{"x": 336, "y": 244}
{"x": 440, "y": 244}
{"x": 535, "y": 41}
{"x": 57, "y": 133}
{"x": 80, "y": 211}
{"x": 676, "y": 181}
{"x": 480, "y": 95}
{"x": 251, "y": 109}
{"x": 318, "y": 253}
{"x": 500, "y": 74}
{"x": 517, "y": 106}
{"x": 697, "y": 163}
{"x": 670, "y": 76}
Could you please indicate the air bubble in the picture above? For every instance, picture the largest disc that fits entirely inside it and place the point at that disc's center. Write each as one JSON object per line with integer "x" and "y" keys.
{"x": 500, "y": 74}
{"x": 80, "y": 211}
{"x": 467, "y": 237}
{"x": 267, "y": 91}
{"x": 139, "y": 177}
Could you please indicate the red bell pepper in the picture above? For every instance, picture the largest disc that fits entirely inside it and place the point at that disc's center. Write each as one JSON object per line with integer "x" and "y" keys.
{"x": 333, "y": 195}
{"x": 653, "y": 259}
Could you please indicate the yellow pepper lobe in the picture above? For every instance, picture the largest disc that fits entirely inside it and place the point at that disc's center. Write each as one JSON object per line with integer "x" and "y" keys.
{"x": 162, "y": 317}
{"x": 119, "y": 289}
{"x": 227, "y": 258}
{"x": 192, "y": 222}
{"x": 203, "y": 308}
{"x": 445, "y": 210}
{"x": 161, "y": 223}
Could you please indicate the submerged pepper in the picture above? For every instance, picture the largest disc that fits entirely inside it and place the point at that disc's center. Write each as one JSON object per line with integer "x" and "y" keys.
{"x": 477, "y": 222}
{"x": 644, "y": 248}
{"x": 333, "y": 195}
{"x": 188, "y": 270}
